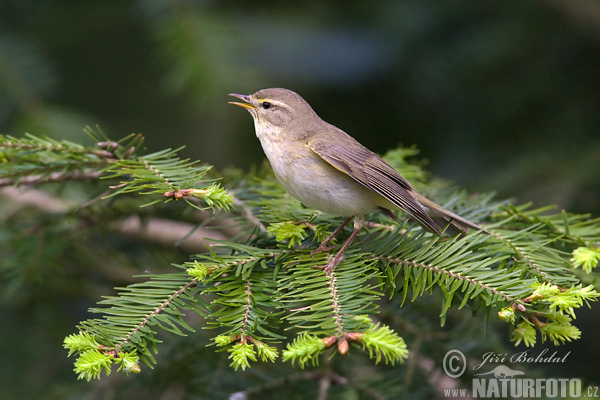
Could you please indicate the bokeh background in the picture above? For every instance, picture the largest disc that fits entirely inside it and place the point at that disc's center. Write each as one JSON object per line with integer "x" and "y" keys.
{"x": 498, "y": 95}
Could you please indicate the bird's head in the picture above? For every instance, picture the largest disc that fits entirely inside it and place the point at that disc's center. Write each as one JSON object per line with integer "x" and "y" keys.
{"x": 277, "y": 108}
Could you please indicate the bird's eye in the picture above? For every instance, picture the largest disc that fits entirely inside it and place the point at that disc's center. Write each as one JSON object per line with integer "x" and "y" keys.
{"x": 266, "y": 105}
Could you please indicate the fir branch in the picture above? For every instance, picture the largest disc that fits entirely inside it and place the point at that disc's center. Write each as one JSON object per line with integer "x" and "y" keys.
{"x": 326, "y": 305}
{"x": 161, "y": 231}
{"x": 34, "y": 144}
{"x": 305, "y": 349}
{"x": 535, "y": 251}
{"x": 130, "y": 319}
{"x": 166, "y": 174}
{"x": 453, "y": 276}
{"x": 453, "y": 265}
{"x": 93, "y": 357}
{"x": 383, "y": 343}
{"x": 244, "y": 288}
{"x": 559, "y": 333}
{"x": 210, "y": 267}
{"x": 265, "y": 352}
{"x": 586, "y": 258}
{"x": 80, "y": 343}
{"x": 156, "y": 312}
{"x": 241, "y": 353}
{"x": 248, "y": 307}
{"x": 524, "y": 332}
{"x": 248, "y": 214}
{"x": 575, "y": 229}
{"x": 521, "y": 254}
{"x": 91, "y": 364}
{"x": 260, "y": 290}
{"x": 34, "y": 160}
{"x": 550, "y": 309}
{"x": 335, "y": 306}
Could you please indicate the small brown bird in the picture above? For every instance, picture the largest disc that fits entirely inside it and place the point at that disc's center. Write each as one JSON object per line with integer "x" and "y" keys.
{"x": 325, "y": 168}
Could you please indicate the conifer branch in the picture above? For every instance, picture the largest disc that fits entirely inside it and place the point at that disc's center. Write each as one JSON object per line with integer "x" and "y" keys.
{"x": 454, "y": 275}
{"x": 157, "y": 311}
{"x": 248, "y": 306}
{"x": 521, "y": 254}
{"x": 161, "y": 231}
{"x": 33, "y": 143}
{"x": 247, "y": 212}
{"x": 335, "y": 304}
{"x": 130, "y": 318}
{"x": 257, "y": 291}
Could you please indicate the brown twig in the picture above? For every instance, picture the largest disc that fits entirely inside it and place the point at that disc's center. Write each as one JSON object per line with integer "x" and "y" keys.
{"x": 52, "y": 177}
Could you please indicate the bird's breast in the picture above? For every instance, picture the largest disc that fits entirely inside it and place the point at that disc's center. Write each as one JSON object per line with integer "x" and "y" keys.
{"x": 313, "y": 181}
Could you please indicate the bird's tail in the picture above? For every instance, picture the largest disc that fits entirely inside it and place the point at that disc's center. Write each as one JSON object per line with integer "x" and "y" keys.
{"x": 445, "y": 220}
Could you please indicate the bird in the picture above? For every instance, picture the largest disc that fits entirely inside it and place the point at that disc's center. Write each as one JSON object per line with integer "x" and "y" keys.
{"x": 328, "y": 170}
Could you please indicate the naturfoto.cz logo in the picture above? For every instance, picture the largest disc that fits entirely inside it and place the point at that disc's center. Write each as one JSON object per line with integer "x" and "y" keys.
{"x": 501, "y": 381}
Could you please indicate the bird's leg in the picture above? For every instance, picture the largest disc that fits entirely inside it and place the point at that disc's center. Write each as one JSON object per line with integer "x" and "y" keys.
{"x": 359, "y": 223}
{"x": 324, "y": 245}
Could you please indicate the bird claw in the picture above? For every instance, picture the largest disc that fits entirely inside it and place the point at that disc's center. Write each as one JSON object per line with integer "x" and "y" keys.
{"x": 321, "y": 249}
{"x": 330, "y": 266}
{"x": 329, "y": 269}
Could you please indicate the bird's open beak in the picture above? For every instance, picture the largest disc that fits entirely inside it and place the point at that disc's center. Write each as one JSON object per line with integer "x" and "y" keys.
{"x": 248, "y": 103}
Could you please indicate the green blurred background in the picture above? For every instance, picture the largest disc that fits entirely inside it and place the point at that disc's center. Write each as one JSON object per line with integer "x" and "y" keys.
{"x": 498, "y": 95}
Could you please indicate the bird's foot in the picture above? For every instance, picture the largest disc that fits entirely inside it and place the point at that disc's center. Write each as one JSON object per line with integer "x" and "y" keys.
{"x": 330, "y": 266}
{"x": 323, "y": 248}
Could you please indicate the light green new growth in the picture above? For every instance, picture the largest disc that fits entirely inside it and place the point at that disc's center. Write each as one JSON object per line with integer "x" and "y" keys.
{"x": 241, "y": 353}
{"x": 383, "y": 343}
{"x": 524, "y": 332}
{"x": 266, "y": 352}
{"x": 550, "y": 309}
{"x": 261, "y": 295}
{"x": 89, "y": 364}
{"x": 79, "y": 343}
{"x": 559, "y": 333}
{"x": 94, "y": 358}
{"x": 288, "y": 231}
{"x": 586, "y": 258}
{"x": 305, "y": 349}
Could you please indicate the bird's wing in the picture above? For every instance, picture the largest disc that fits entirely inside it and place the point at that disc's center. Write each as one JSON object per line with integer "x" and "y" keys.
{"x": 370, "y": 170}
